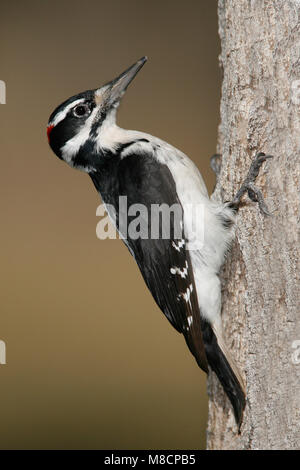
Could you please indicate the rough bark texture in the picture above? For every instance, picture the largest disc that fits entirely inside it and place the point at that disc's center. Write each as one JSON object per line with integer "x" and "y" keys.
{"x": 260, "y": 44}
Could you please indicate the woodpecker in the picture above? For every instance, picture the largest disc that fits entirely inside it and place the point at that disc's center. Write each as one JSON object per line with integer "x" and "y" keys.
{"x": 184, "y": 282}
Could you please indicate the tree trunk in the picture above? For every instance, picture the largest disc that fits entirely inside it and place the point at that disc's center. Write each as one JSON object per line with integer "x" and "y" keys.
{"x": 260, "y": 44}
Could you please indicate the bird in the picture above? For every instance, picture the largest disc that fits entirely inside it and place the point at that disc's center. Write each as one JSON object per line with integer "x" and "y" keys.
{"x": 181, "y": 270}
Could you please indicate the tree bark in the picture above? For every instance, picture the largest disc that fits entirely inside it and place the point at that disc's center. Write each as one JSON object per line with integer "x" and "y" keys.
{"x": 260, "y": 48}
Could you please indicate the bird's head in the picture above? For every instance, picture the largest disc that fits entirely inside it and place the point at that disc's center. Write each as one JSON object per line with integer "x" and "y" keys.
{"x": 74, "y": 127}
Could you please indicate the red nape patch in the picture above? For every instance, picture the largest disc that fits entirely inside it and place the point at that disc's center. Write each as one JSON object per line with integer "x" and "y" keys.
{"x": 49, "y": 129}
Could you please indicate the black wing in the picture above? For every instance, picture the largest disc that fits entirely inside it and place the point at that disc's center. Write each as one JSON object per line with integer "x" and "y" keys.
{"x": 164, "y": 263}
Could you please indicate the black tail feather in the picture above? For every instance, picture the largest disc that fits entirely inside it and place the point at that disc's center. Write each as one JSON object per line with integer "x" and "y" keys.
{"x": 220, "y": 365}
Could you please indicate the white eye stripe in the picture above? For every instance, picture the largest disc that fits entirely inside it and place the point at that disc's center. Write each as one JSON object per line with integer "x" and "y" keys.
{"x": 73, "y": 145}
{"x": 62, "y": 114}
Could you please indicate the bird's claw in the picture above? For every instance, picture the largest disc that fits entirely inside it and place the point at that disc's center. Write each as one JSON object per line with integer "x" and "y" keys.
{"x": 248, "y": 186}
{"x": 256, "y": 195}
{"x": 215, "y": 163}
{"x": 259, "y": 159}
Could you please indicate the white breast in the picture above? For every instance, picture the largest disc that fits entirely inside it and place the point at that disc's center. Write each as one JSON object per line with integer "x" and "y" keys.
{"x": 207, "y": 238}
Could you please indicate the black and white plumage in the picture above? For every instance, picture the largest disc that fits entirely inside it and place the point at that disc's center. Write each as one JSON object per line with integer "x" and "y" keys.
{"x": 184, "y": 283}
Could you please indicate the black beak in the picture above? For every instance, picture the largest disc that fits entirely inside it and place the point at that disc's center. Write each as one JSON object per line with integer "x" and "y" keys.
{"x": 112, "y": 92}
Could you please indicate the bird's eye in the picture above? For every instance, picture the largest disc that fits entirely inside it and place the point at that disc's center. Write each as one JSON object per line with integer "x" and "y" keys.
{"x": 81, "y": 110}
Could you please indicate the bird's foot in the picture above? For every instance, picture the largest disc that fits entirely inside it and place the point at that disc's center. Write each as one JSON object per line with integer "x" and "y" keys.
{"x": 249, "y": 187}
{"x": 215, "y": 163}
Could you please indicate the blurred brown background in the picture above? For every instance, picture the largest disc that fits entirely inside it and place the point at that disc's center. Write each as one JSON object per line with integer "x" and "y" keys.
{"x": 91, "y": 361}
